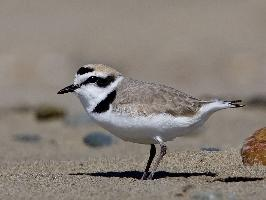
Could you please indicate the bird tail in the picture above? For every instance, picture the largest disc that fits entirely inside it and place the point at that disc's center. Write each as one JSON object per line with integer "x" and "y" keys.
{"x": 234, "y": 104}
{"x": 215, "y": 105}
{"x": 208, "y": 108}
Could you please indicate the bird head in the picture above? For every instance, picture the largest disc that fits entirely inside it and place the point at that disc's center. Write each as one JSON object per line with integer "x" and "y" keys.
{"x": 92, "y": 83}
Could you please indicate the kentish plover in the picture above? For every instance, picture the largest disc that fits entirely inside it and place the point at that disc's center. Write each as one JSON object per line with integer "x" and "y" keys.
{"x": 138, "y": 111}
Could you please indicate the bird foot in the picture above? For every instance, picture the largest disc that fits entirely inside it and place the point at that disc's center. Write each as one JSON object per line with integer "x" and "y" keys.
{"x": 144, "y": 176}
{"x": 150, "y": 176}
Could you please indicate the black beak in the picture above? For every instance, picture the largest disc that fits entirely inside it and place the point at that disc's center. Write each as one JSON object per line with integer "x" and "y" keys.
{"x": 70, "y": 88}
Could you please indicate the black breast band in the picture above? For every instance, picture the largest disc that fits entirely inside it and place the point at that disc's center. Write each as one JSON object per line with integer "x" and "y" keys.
{"x": 104, "y": 105}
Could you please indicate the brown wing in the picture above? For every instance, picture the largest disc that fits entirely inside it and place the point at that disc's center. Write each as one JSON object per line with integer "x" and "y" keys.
{"x": 142, "y": 98}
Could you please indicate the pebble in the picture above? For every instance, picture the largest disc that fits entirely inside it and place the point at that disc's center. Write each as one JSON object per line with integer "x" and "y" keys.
{"x": 48, "y": 112}
{"x": 254, "y": 148}
{"x": 210, "y": 149}
{"x": 257, "y": 101}
{"x": 97, "y": 139}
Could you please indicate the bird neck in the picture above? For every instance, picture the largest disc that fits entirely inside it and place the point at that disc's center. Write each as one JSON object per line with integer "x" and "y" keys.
{"x": 94, "y": 100}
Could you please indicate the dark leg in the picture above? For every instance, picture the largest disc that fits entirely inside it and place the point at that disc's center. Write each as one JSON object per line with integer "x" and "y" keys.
{"x": 152, "y": 155}
{"x": 162, "y": 153}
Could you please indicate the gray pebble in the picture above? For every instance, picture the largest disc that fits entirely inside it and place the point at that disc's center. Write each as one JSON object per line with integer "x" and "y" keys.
{"x": 210, "y": 149}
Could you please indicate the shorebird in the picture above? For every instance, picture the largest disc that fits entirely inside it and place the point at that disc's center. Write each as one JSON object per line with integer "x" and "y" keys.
{"x": 138, "y": 111}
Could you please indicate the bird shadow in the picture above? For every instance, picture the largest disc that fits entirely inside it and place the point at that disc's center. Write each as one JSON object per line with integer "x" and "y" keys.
{"x": 138, "y": 174}
{"x": 238, "y": 179}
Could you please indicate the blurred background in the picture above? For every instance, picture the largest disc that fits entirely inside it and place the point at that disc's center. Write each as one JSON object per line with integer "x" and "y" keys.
{"x": 205, "y": 48}
{"x": 202, "y": 47}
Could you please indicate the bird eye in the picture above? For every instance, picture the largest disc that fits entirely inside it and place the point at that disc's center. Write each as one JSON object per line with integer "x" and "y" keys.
{"x": 91, "y": 79}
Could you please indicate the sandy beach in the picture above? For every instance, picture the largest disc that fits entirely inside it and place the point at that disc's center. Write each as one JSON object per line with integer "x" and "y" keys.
{"x": 60, "y": 166}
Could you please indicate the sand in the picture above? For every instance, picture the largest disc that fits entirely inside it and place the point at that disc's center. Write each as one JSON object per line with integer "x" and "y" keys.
{"x": 61, "y": 166}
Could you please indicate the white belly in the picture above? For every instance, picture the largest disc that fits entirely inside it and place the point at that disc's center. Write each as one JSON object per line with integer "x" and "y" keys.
{"x": 144, "y": 129}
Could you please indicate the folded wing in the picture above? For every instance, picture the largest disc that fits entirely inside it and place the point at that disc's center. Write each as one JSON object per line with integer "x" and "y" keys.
{"x": 142, "y": 98}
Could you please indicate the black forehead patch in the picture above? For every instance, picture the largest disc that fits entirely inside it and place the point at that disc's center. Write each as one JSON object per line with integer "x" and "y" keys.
{"x": 84, "y": 70}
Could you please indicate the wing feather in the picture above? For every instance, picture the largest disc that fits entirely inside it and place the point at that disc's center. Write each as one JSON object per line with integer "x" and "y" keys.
{"x": 142, "y": 98}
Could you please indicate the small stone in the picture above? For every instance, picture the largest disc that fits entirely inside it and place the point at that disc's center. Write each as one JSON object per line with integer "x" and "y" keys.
{"x": 27, "y": 137}
{"x": 257, "y": 101}
{"x": 48, "y": 112}
{"x": 210, "y": 149}
{"x": 254, "y": 149}
{"x": 77, "y": 120}
{"x": 97, "y": 139}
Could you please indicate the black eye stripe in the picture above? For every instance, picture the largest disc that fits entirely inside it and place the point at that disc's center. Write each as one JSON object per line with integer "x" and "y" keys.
{"x": 91, "y": 79}
{"x": 104, "y": 82}
{"x": 84, "y": 70}
{"x": 101, "y": 82}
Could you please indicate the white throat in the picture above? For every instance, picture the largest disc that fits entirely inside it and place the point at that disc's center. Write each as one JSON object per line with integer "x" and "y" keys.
{"x": 90, "y": 96}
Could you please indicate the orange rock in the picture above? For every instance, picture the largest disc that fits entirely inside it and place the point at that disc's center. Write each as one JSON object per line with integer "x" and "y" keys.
{"x": 254, "y": 149}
